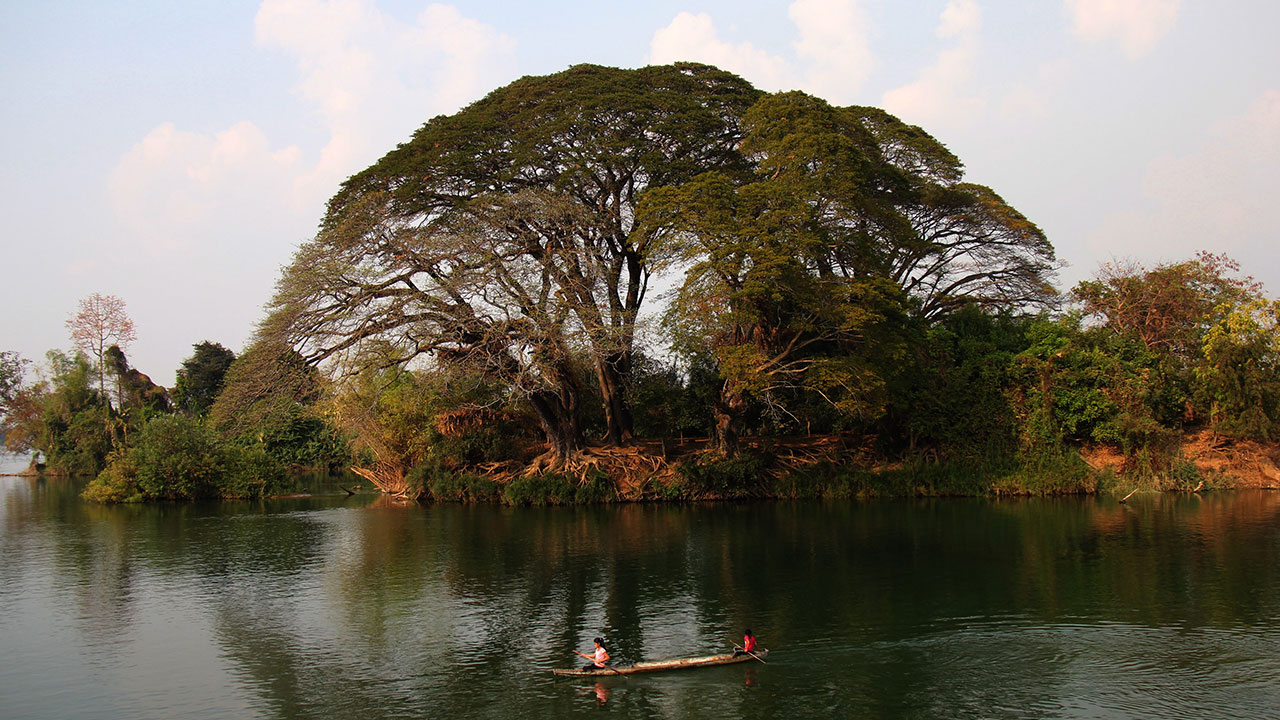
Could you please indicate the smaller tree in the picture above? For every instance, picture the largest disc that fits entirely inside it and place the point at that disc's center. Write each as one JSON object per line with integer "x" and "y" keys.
{"x": 201, "y": 377}
{"x": 1169, "y": 307}
{"x": 269, "y": 400}
{"x": 65, "y": 418}
{"x": 1240, "y": 375}
{"x": 135, "y": 390}
{"x": 12, "y": 368}
{"x": 262, "y": 387}
{"x": 752, "y": 299}
{"x": 100, "y": 323}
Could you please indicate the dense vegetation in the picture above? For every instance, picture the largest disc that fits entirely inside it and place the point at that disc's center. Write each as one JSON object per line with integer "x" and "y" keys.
{"x": 117, "y": 426}
{"x": 474, "y": 320}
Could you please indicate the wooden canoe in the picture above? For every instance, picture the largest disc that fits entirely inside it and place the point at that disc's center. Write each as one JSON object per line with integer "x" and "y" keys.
{"x": 659, "y": 665}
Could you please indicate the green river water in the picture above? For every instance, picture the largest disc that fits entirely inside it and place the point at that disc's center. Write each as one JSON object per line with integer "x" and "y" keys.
{"x": 337, "y": 607}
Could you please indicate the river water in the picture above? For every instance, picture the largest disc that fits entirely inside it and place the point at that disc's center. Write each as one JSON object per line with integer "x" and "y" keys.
{"x": 337, "y": 607}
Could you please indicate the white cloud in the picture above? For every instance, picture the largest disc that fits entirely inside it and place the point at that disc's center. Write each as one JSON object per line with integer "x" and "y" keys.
{"x": 373, "y": 77}
{"x": 833, "y": 42}
{"x": 1135, "y": 25}
{"x": 832, "y": 57}
{"x": 172, "y": 183}
{"x": 939, "y": 94}
{"x": 694, "y": 38}
{"x": 960, "y": 19}
{"x": 370, "y": 77}
{"x": 221, "y": 211}
{"x": 1222, "y": 197}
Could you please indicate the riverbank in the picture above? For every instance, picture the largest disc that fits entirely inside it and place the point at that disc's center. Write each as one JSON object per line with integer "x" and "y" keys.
{"x": 842, "y": 466}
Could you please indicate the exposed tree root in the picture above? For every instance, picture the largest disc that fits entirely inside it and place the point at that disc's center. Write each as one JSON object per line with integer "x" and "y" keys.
{"x": 632, "y": 470}
{"x": 387, "y": 477}
{"x": 642, "y": 470}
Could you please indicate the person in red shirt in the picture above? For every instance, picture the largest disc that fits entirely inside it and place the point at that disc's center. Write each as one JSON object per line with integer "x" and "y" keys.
{"x": 749, "y": 644}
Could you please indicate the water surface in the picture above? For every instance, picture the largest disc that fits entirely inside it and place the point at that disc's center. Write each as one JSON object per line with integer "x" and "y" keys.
{"x": 337, "y": 607}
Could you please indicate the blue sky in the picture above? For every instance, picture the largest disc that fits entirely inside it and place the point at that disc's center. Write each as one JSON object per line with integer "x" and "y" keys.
{"x": 176, "y": 153}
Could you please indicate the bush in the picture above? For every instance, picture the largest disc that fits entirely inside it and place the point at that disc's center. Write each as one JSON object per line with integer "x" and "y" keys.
{"x": 1048, "y": 472}
{"x": 735, "y": 477}
{"x": 446, "y": 486}
{"x": 177, "y": 458}
{"x": 301, "y": 439}
{"x": 1183, "y": 476}
{"x": 251, "y": 473}
{"x": 557, "y": 489}
{"x": 117, "y": 483}
{"x": 807, "y": 483}
{"x": 491, "y": 443}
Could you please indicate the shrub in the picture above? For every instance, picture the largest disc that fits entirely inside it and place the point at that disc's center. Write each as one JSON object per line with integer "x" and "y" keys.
{"x": 117, "y": 483}
{"x": 491, "y": 443}
{"x": 177, "y": 458}
{"x": 1048, "y": 472}
{"x": 803, "y": 483}
{"x": 1183, "y": 476}
{"x": 251, "y": 473}
{"x": 300, "y": 438}
{"x": 557, "y": 489}
{"x": 446, "y": 486}
{"x": 734, "y": 477}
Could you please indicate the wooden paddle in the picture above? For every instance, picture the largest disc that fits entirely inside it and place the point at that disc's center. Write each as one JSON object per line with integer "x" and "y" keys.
{"x": 736, "y": 646}
{"x": 605, "y": 665}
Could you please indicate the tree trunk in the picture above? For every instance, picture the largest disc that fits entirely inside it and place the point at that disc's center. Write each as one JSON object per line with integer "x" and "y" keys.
{"x": 614, "y": 374}
{"x": 558, "y": 417}
{"x": 727, "y": 410}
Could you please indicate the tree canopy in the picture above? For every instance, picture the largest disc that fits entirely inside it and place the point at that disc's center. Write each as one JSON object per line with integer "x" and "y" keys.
{"x": 201, "y": 376}
{"x": 503, "y": 236}
{"x": 850, "y": 219}
{"x": 510, "y": 238}
{"x": 12, "y": 368}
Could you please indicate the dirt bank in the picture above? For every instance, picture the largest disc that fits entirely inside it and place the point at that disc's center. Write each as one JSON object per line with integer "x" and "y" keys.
{"x": 1243, "y": 463}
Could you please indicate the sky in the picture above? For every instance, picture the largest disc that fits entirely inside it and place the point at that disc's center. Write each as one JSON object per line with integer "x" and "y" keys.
{"x": 175, "y": 154}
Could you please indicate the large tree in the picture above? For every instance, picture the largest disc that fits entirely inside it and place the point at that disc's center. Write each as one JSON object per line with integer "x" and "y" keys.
{"x": 849, "y": 216}
{"x": 954, "y": 243}
{"x": 504, "y": 235}
{"x": 774, "y": 287}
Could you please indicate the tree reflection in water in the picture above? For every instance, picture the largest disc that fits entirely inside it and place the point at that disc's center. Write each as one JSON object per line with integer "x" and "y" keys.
{"x": 329, "y": 607}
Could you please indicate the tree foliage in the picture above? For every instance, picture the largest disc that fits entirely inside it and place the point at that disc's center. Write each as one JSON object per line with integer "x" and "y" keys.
{"x": 176, "y": 457}
{"x": 12, "y": 368}
{"x": 948, "y": 243}
{"x": 62, "y": 416}
{"x": 201, "y": 376}
{"x": 503, "y": 236}
{"x": 749, "y": 296}
{"x": 1240, "y": 376}
{"x": 434, "y": 421}
{"x": 135, "y": 391}
{"x": 1169, "y": 307}
{"x": 850, "y": 219}
{"x": 271, "y": 399}
{"x": 950, "y": 394}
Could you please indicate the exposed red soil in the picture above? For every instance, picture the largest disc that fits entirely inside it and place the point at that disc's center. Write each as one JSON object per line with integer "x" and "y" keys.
{"x": 1244, "y": 463}
{"x": 1251, "y": 464}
